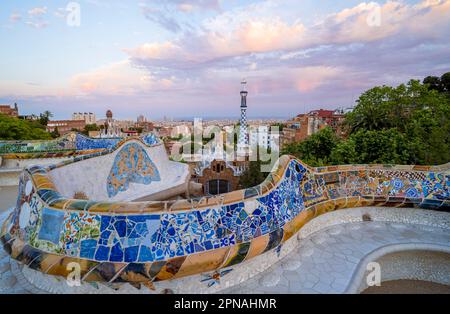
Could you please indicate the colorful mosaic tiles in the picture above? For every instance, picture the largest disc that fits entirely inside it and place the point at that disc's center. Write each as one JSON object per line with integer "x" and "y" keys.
{"x": 85, "y": 143}
{"x": 131, "y": 165}
{"x": 66, "y": 142}
{"x": 71, "y": 144}
{"x": 142, "y": 242}
{"x": 150, "y": 139}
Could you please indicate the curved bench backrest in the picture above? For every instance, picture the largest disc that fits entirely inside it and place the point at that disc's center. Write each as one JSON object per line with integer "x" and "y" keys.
{"x": 163, "y": 240}
{"x": 132, "y": 171}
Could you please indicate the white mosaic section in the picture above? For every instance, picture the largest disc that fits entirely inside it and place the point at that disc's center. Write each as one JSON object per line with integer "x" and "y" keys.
{"x": 90, "y": 176}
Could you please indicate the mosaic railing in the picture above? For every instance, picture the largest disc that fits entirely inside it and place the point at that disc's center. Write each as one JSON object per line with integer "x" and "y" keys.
{"x": 71, "y": 144}
{"x": 146, "y": 242}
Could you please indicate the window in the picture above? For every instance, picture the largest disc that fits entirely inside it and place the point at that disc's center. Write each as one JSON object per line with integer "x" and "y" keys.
{"x": 214, "y": 187}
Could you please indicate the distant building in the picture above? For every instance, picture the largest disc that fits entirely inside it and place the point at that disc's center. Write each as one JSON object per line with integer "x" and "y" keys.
{"x": 111, "y": 127}
{"x": 219, "y": 177}
{"x": 164, "y": 131}
{"x": 88, "y": 117}
{"x": 144, "y": 124}
{"x": 304, "y": 125}
{"x": 30, "y": 117}
{"x": 141, "y": 119}
{"x": 7, "y": 110}
{"x": 65, "y": 126}
{"x": 130, "y": 133}
{"x": 263, "y": 136}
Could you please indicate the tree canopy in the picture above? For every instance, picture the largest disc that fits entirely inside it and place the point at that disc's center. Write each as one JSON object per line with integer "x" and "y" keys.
{"x": 12, "y": 128}
{"x": 407, "y": 124}
{"x": 253, "y": 175}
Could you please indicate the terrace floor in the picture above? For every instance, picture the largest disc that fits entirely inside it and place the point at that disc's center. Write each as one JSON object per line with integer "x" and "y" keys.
{"x": 328, "y": 261}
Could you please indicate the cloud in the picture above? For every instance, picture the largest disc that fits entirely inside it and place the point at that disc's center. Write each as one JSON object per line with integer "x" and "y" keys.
{"x": 38, "y": 11}
{"x": 61, "y": 13}
{"x": 175, "y": 15}
{"x": 333, "y": 59}
{"x": 310, "y": 78}
{"x": 185, "y": 7}
{"x": 291, "y": 65}
{"x": 15, "y": 17}
{"x": 36, "y": 17}
{"x": 120, "y": 78}
{"x": 162, "y": 18}
{"x": 233, "y": 34}
{"x": 37, "y": 24}
{"x": 189, "y": 5}
{"x": 155, "y": 51}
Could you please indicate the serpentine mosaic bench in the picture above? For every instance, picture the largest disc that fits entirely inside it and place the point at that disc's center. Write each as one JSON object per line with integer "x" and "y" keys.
{"x": 71, "y": 144}
{"x": 144, "y": 242}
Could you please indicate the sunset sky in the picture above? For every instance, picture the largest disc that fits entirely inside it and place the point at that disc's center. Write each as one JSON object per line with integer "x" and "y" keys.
{"x": 185, "y": 58}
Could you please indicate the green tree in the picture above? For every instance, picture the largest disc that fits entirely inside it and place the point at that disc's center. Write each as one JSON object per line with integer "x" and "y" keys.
{"x": 370, "y": 112}
{"x": 380, "y": 147}
{"x": 55, "y": 133}
{"x": 18, "y": 129}
{"x": 415, "y": 115}
{"x": 407, "y": 124}
{"x": 316, "y": 149}
{"x": 90, "y": 127}
{"x": 434, "y": 83}
{"x": 445, "y": 82}
{"x": 253, "y": 175}
{"x": 344, "y": 153}
{"x": 45, "y": 117}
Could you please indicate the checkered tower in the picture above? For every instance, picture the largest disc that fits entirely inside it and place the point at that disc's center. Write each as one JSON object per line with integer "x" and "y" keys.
{"x": 243, "y": 130}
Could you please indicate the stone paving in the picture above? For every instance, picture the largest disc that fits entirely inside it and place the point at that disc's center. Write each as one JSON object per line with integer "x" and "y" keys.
{"x": 331, "y": 250}
{"x": 326, "y": 261}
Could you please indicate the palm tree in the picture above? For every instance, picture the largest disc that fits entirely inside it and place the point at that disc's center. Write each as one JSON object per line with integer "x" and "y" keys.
{"x": 45, "y": 117}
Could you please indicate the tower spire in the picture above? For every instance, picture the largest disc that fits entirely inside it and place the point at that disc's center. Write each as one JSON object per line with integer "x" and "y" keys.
{"x": 243, "y": 130}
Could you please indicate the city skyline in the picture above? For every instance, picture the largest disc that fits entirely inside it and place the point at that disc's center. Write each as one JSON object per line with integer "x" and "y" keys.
{"x": 186, "y": 58}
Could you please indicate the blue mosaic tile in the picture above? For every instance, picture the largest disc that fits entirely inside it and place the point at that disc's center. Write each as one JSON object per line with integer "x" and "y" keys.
{"x": 131, "y": 254}
{"x": 116, "y": 253}
{"x": 145, "y": 254}
{"x": 131, "y": 165}
{"x": 102, "y": 253}
{"x": 86, "y": 143}
{"x": 150, "y": 139}
{"x": 51, "y": 225}
{"x": 88, "y": 248}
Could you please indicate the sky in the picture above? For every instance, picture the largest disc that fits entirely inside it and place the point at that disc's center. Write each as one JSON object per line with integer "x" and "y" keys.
{"x": 186, "y": 58}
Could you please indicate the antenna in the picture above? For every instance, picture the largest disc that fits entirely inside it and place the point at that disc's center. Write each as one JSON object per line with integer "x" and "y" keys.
{"x": 243, "y": 83}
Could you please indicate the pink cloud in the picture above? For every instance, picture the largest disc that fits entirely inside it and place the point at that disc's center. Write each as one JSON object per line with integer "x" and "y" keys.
{"x": 15, "y": 17}
{"x": 38, "y": 11}
{"x": 309, "y": 79}
{"x": 229, "y": 35}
